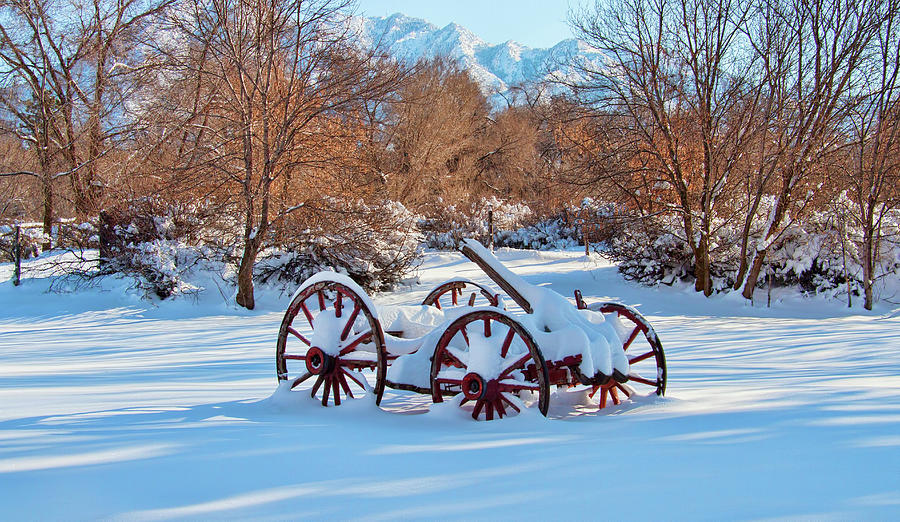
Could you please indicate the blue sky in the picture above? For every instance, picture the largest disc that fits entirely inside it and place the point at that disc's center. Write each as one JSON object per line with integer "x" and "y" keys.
{"x": 535, "y": 23}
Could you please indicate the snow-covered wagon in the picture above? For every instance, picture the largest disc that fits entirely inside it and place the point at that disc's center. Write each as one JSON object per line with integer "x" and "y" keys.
{"x": 461, "y": 342}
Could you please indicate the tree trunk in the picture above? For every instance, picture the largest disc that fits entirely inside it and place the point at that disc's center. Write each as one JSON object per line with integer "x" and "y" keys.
{"x": 245, "y": 275}
{"x": 47, "y": 194}
{"x": 703, "y": 281}
{"x": 753, "y": 274}
{"x": 868, "y": 267}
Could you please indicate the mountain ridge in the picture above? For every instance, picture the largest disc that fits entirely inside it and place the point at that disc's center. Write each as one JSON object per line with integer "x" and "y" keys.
{"x": 495, "y": 67}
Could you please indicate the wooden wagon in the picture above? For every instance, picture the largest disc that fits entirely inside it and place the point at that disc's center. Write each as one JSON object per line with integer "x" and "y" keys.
{"x": 461, "y": 342}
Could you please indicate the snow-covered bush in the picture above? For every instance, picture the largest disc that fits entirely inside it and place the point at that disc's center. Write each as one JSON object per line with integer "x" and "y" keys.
{"x": 443, "y": 228}
{"x": 818, "y": 254}
{"x": 154, "y": 243}
{"x": 516, "y": 225}
{"x": 553, "y": 233}
{"x": 30, "y": 239}
{"x": 374, "y": 243}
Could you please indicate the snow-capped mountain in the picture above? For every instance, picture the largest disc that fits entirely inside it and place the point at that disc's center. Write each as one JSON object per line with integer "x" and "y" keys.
{"x": 496, "y": 67}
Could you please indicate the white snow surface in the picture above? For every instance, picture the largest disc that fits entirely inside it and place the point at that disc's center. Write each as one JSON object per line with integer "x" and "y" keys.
{"x": 114, "y": 407}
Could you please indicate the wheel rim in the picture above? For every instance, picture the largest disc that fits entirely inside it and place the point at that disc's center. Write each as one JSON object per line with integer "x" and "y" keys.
{"x": 482, "y": 355}
{"x": 330, "y": 334}
{"x": 646, "y": 358}
{"x": 461, "y": 293}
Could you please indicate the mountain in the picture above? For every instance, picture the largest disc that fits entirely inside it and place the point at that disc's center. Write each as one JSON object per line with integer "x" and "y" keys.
{"x": 495, "y": 67}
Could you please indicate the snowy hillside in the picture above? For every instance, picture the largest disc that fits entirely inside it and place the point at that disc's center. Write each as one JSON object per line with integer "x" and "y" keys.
{"x": 496, "y": 67}
{"x": 115, "y": 408}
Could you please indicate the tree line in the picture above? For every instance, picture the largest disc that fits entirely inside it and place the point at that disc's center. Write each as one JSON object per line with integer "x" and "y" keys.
{"x": 722, "y": 123}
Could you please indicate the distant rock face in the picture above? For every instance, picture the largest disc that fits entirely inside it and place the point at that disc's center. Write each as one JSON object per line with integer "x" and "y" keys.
{"x": 496, "y": 67}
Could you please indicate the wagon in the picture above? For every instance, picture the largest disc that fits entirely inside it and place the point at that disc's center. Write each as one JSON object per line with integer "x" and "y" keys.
{"x": 463, "y": 343}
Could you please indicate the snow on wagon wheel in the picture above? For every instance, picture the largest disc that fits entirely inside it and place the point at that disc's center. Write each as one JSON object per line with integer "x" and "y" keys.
{"x": 482, "y": 355}
{"x": 646, "y": 359}
{"x": 330, "y": 333}
{"x": 458, "y": 292}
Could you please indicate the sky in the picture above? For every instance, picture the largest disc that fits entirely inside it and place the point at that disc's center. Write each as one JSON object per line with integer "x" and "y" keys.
{"x": 534, "y": 23}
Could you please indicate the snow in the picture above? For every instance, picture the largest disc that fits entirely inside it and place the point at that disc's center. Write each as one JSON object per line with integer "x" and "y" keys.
{"x": 115, "y": 407}
{"x": 343, "y": 279}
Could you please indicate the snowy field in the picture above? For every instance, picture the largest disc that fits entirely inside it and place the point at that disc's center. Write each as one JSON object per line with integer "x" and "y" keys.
{"x": 116, "y": 408}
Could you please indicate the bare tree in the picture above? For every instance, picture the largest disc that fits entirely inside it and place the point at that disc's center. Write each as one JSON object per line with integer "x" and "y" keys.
{"x": 436, "y": 130}
{"x": 823, "y": 43}
{"x": 68, "y": 67}
{"x": 272, "y": 80}
{"x": 874, "y": 179}
{"x": 674, "y": 71}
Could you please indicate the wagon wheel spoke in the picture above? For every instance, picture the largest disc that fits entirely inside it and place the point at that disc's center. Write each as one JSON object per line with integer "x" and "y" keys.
{"x": 454, "y": 358}
{"x": 292, "y": 357}
{"x": 641, "y": 357}
{"x": 344, "y": 385}
{"x": 338, "y": 304}
{"x": 315, "y": 387}
{"x": 510, "y": 403}
{"x": 321, "y": 296}
{"x": 498, "y": 405}
{"x": 519, "y": 363}
{"x": 648, "y": 382}
{"x": 307, "y": 313}
{"x": 298, "y": 335}
{"x": 465, "y": 334}
{"x": 479, "y": 404}
{"x": 507, "y": 341}
{"x": 300, "y": 379}
{"x": 356, "y": 342}
{"x": 518, "y": 386}
{"x": 624, "y": 389}
{"x": 472, "y": 299}
{"x": 350, "y": 321}
{"x": 325, "y": 391}
{"x": 353, "y": 378}
{"x": 631, "y": 338}
{"x": 336, "y": 390}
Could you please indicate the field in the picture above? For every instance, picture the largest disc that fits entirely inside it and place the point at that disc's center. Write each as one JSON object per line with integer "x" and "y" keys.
{"x": 117, "y": 408}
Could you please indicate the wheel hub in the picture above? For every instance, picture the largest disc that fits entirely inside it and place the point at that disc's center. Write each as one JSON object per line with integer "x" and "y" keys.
{"x": 318, "y": 362}
{"x": 473, "y": 386}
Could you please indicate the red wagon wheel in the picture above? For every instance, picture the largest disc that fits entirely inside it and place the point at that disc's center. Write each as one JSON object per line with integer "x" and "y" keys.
{"x": 482, "y": 355}
{"x": 328, "y": 332}
{"x": 646, "y": 359}
{"x": 461, "y": 292}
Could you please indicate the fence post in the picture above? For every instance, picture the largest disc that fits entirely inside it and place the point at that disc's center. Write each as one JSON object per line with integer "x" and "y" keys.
{"x": 17, "y": 254}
